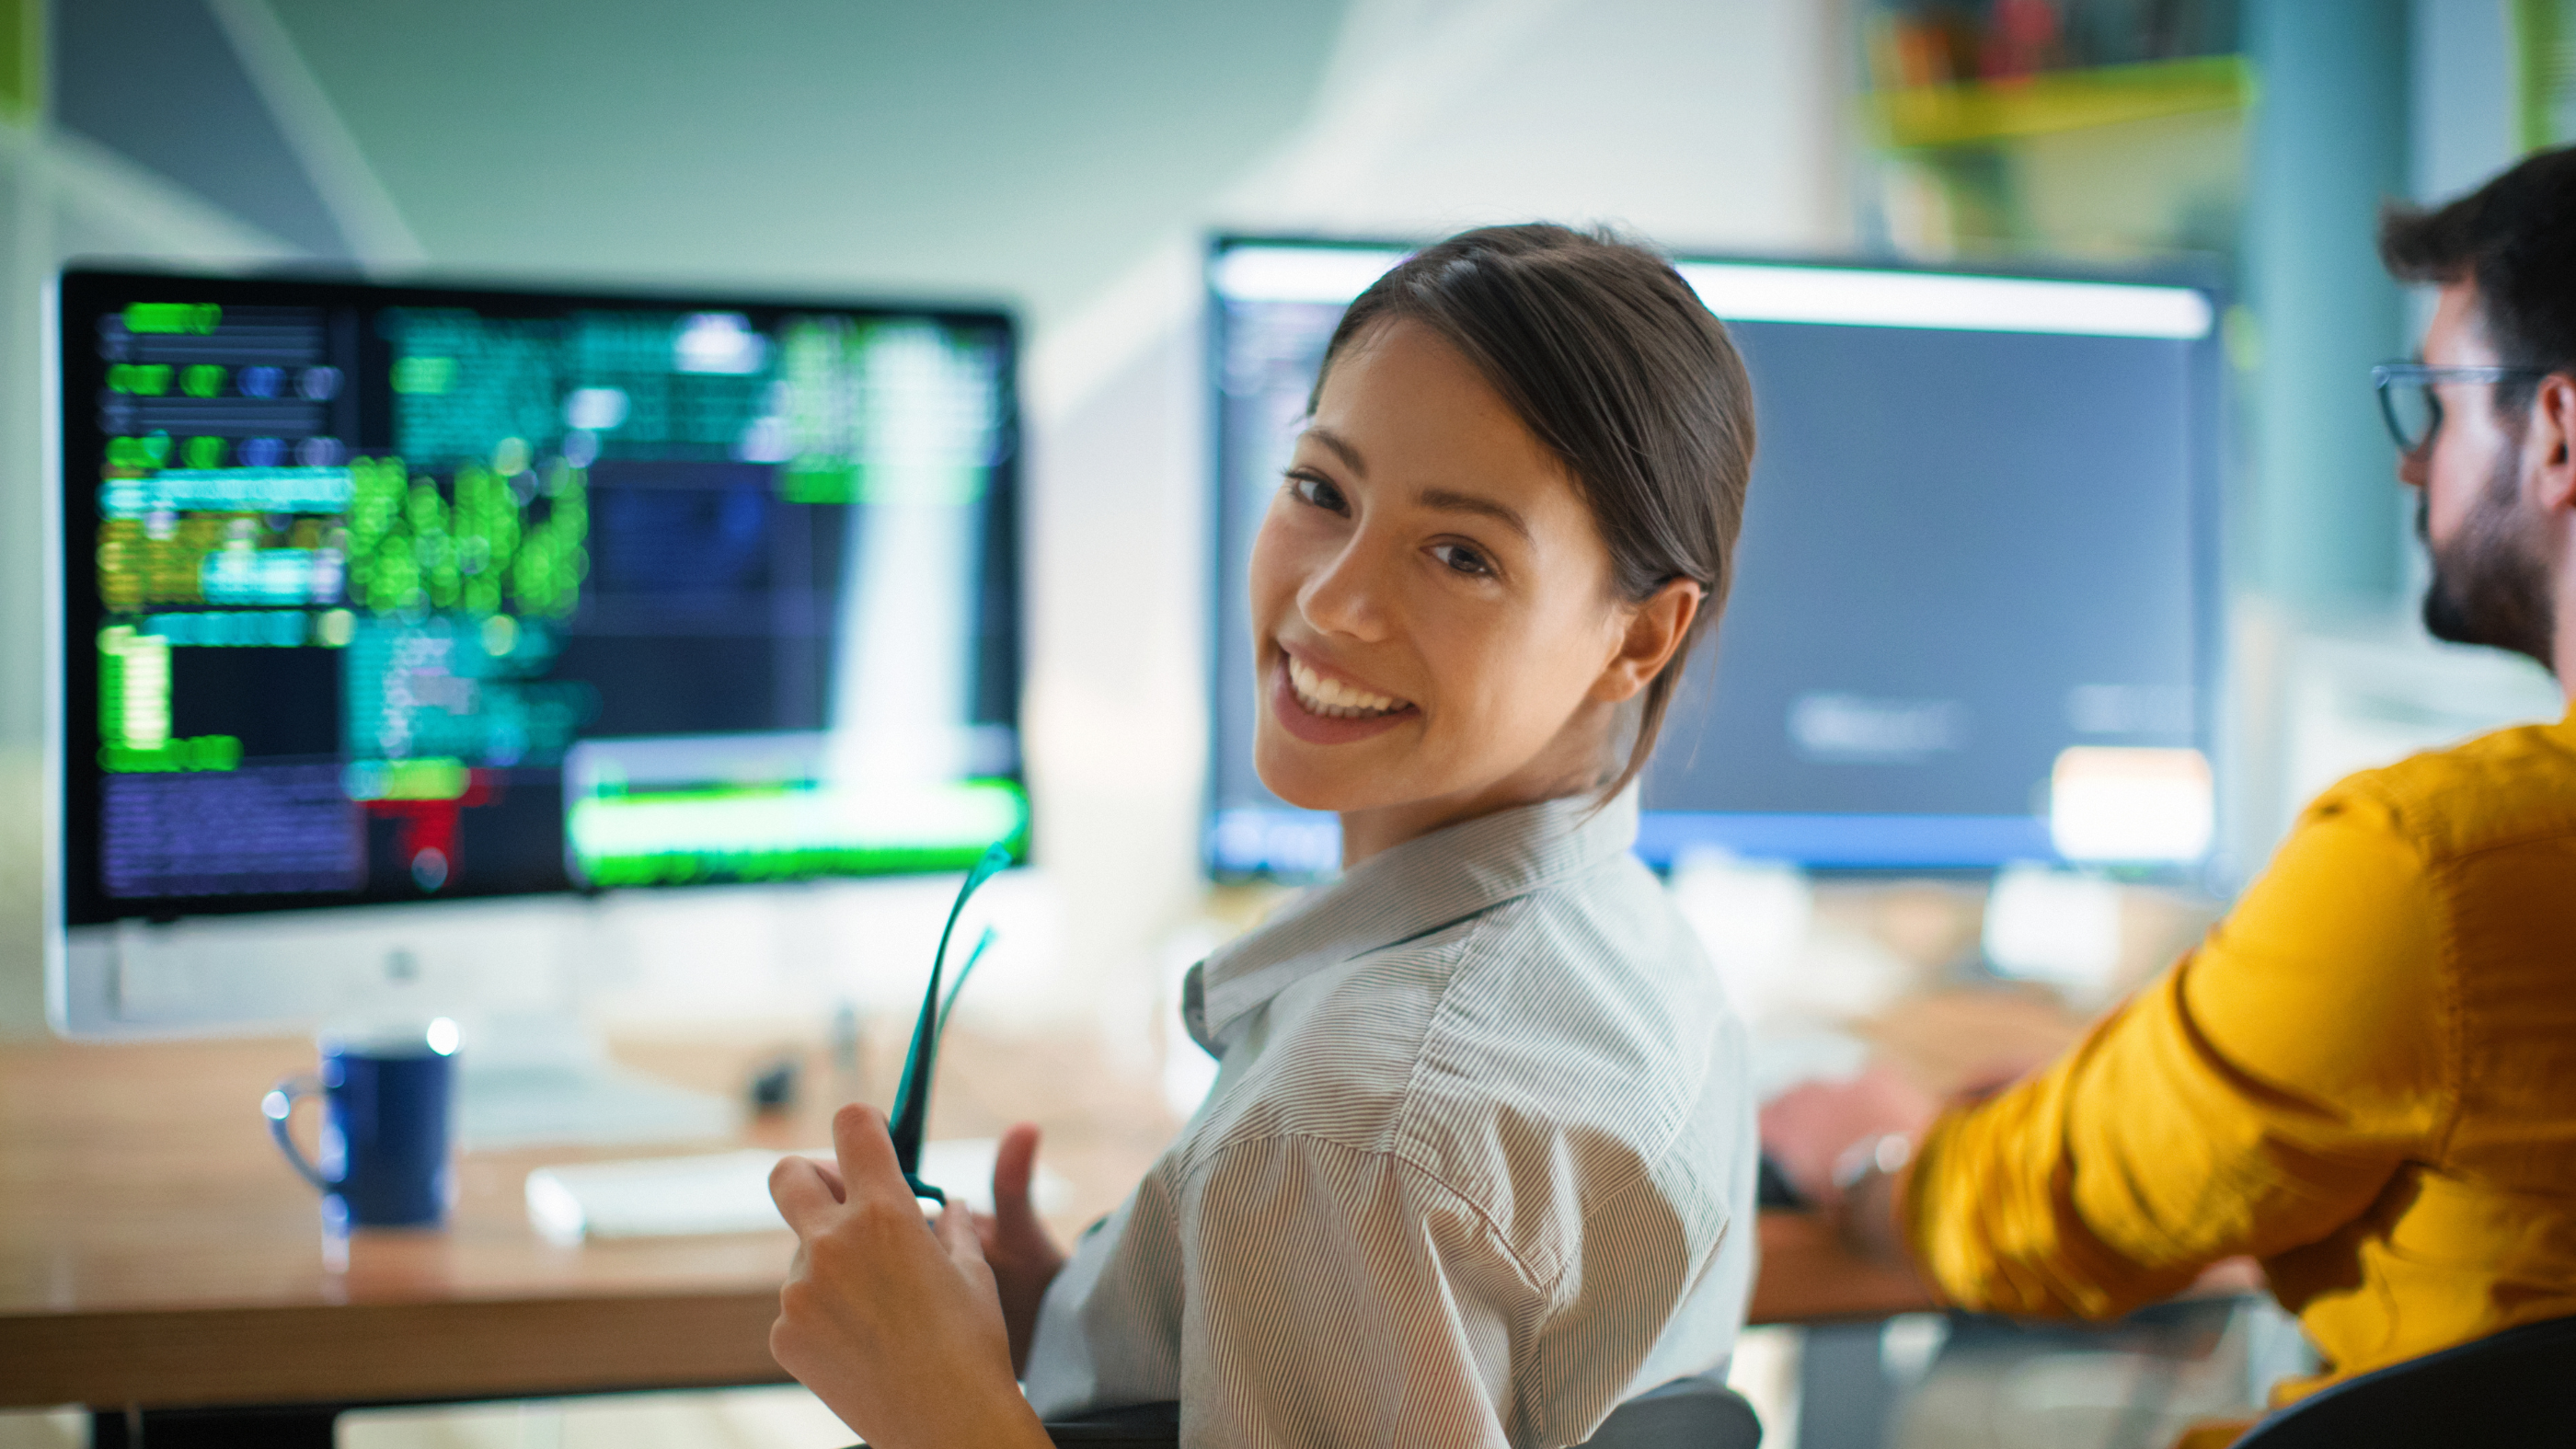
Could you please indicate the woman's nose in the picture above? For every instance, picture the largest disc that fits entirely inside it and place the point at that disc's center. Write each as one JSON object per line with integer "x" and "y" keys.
{"x": 1346, "y": 595}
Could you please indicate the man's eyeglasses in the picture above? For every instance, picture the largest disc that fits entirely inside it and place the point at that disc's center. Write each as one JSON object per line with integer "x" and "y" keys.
{"x": 2410, "y": 406}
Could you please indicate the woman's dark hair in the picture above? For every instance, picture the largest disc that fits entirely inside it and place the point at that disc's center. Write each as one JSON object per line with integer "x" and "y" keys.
{"x": 2516, "y": 238}
{"x": 1608, "y": 357}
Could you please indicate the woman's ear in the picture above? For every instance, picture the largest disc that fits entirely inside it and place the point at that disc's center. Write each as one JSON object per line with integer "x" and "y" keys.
{"x": 1656, "y": 627}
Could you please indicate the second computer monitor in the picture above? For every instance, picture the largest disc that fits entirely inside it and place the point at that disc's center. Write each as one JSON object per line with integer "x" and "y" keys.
{"x": 1971, "y": 619}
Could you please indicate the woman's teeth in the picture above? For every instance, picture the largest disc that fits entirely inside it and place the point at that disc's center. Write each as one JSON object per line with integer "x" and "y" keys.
{"x": 1327, "y": 696}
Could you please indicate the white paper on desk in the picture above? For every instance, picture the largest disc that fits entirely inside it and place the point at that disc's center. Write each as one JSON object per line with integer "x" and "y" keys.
{"x": 728, "y": 1192}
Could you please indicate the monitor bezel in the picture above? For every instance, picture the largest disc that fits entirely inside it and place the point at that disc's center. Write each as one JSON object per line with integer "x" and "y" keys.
{"x": 79, "y": 284}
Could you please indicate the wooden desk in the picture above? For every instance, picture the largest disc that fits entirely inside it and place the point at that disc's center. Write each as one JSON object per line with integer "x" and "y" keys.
{"x": 154, "y": 1251}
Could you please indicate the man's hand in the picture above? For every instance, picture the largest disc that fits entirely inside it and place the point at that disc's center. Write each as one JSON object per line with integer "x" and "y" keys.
{"x": 1809, "y": 1127}
{"x": 1024, "y": 1259}
{"x": 898, "y": 1330}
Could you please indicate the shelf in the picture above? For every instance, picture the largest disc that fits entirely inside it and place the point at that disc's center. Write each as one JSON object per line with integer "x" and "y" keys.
{"x": 2058, "y": 101}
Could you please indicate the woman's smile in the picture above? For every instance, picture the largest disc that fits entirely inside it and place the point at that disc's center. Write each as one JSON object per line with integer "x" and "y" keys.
{"x": 1325, "y": 709}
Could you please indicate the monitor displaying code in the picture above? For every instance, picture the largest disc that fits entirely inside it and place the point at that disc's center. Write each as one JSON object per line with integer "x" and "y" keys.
{"x": 400, "y": 593}
{"x": 1971, "y": 620}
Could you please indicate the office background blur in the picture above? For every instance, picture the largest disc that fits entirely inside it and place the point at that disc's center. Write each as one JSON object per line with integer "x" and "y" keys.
{"x": 1069, "y": 160}
{"x": 1066, "y": 159}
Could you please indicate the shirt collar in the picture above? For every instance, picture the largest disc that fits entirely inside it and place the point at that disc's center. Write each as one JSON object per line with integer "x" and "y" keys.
{"x": 1411, "y": 890}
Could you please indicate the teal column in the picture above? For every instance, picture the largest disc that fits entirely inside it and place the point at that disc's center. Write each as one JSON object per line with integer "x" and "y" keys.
{"x": 2329, "y": 146}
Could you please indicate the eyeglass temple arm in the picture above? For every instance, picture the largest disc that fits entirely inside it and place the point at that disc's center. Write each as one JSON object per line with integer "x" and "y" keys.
{"x": 957, "y": 987}
{"x": 912, "y": 1095}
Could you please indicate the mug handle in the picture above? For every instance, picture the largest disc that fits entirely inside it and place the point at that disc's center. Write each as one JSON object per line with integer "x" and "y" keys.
{"x": 277, "y": 1106}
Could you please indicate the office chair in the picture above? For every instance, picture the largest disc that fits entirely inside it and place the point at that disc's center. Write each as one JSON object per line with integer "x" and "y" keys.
{"x": 1700, "y": 1413}
{"x": 2514, "y": 1387}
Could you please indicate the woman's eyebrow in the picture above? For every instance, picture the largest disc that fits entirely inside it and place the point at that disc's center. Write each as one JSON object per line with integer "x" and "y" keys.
{"x": 1341, "y": 447}
{"x": 1442, "y": 500}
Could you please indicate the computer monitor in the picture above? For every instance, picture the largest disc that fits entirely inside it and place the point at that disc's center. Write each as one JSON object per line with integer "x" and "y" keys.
{"x": 1972, "y": 622}
{"x": 376, "y": 599}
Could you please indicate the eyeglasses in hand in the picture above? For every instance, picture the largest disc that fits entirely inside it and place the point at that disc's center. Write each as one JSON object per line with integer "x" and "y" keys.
{"x": 912, "y": 1097}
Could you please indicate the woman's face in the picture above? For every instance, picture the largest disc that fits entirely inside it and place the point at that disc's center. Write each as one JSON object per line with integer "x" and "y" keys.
{"x": 1433, "y": 614}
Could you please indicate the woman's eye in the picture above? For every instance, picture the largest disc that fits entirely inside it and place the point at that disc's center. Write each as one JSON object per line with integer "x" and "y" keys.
{"x": 1314, "y": 490}
{"x": 1462, "y": 559}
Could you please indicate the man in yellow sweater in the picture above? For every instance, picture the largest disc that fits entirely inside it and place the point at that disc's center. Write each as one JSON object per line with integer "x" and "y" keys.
{"x": 2365, "y": 1078}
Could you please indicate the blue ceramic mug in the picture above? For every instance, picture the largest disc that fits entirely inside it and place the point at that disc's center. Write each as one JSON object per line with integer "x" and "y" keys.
{"x": 387, "y": 1099}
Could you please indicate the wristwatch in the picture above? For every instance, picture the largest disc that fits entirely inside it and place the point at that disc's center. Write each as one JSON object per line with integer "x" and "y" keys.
{"x": 1882, "y": 1156}
{"x": 1865, "y": 1169}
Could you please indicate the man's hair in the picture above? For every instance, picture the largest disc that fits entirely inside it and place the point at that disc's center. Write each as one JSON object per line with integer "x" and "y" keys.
{"x": 1611, "y": 360}
{"x": 2515, "y": 237}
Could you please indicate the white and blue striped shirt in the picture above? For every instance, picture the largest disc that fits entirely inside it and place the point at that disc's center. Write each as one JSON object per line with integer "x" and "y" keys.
{"x": 1477, "y": 1167}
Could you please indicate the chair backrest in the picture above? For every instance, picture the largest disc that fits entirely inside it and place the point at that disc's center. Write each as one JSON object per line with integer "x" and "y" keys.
{"x": 2514, "y": 1387}
{"x": 1136, "y": 1426}
{"x": 1684, "y": 1414}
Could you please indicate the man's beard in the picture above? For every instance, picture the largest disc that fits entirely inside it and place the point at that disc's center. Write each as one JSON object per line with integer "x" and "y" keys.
{"x": 2489, "y": 585}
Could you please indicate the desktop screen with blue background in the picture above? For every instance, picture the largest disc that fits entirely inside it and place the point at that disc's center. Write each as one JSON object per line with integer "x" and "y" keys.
{"x": 1972, "y": 597}
{"x": 381, "y": 594}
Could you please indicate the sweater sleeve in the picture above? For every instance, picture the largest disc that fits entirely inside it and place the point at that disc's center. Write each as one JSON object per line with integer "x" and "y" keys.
{"x": 2255, "y": 1098}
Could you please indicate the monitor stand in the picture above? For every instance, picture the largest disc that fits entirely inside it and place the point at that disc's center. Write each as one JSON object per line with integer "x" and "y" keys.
{"x": 547, "y": 1081}
{"x": 531, "y": 1072}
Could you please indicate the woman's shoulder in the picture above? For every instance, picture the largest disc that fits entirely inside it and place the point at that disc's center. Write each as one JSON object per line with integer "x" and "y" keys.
{"x": 1589, "y": 1010}
{"x": 1577, "y": 1025}
{"x": 1334, "y": 1055}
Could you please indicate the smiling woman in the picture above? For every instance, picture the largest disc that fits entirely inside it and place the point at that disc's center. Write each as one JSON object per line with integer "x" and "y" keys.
{"x": 1601, "y": 368}
{"x": 1478, "y": 1166}
{"x": 1509, "y": 519}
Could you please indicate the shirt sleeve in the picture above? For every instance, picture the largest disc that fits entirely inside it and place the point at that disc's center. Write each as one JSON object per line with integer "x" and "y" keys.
{"x": 2254, "y": 1099}
{"x": 1341, "y": 1297}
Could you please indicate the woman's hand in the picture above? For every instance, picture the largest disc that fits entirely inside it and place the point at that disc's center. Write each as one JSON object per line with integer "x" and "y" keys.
{"x": 896, "y": 1329}
{"x": 1023, "y": 1258}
